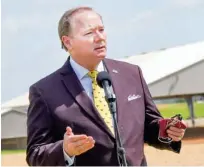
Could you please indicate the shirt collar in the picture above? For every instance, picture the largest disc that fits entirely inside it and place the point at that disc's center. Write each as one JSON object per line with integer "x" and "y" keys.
{"x": 81, "y": 71}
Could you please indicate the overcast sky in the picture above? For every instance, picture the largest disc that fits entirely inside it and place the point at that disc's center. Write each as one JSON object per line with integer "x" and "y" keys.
{"x": 31, "y": 47}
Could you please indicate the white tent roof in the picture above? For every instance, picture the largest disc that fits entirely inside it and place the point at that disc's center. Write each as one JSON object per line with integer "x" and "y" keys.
{"x": 158, "y": 64}
{"x": 5, "y": 110}
{"x": 155, "y": 65}
{"x": 16, "y": 102}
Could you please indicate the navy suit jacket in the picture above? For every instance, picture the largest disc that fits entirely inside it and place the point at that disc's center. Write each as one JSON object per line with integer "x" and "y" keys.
{"x": 59, "y": 100}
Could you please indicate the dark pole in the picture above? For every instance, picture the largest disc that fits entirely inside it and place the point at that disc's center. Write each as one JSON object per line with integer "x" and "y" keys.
{"x": 189, "y": 101}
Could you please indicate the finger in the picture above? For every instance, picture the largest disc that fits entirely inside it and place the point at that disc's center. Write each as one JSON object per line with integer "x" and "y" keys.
{"x": 91, "y": 139}
{"x": 76, "y": 138}
{"x": 174, "y": 138}
{"x": 83, "y": 148}
{"x": 84, "y": 145}
{"x": 83, "y": 142}
{"x": 80, "y": 143}
{"x": 174, "y": 133}
{"x": 172, "y": 128}
{"x": 88, "y": 147}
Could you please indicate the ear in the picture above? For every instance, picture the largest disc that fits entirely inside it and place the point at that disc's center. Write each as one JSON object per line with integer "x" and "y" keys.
{"x": 67, "y": 41}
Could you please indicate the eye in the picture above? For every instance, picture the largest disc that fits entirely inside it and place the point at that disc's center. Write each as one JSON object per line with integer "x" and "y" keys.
{"x": 88, "y": 33}
{"x": 101, "y": 29}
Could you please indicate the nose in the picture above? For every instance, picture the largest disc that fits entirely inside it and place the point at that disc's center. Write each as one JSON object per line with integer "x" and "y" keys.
{"x": 100, "y": 36}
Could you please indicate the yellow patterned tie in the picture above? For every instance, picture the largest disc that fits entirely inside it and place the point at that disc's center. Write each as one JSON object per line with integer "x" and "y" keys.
{"x": 100, "y": 102}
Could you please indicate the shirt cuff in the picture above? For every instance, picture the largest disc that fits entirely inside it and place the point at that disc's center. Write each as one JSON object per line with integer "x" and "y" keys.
{"x": 68, "y": 160}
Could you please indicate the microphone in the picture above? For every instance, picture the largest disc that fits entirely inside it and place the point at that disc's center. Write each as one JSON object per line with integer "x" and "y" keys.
{"x": 104, "y": 81}
{"x": 103, "y": 77}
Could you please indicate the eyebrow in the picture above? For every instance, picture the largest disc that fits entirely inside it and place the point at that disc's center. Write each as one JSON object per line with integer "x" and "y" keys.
{"x": 93, "y": 28}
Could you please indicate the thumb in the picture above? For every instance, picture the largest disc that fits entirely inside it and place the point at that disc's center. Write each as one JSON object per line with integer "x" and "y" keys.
{"x": 69, "y": 131}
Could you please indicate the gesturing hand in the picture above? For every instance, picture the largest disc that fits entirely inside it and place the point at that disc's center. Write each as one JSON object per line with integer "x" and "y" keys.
{"x": 76, "y": 144}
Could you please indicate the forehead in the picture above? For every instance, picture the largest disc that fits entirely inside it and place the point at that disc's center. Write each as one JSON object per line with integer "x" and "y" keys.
{"x": 86, "y": 20}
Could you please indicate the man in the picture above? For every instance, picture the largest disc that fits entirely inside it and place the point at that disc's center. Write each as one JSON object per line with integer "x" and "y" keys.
{"x": 69, "y": 122}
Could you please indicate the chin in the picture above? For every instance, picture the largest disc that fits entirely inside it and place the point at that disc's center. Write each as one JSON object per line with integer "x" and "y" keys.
{"x": 101, "y": 56}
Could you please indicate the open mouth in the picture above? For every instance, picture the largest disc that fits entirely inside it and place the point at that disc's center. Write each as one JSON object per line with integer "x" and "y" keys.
{"x": 99, "y": 48}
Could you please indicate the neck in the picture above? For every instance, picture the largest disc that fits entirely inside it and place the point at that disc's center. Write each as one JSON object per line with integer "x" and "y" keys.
{"x": 91, "y": 65}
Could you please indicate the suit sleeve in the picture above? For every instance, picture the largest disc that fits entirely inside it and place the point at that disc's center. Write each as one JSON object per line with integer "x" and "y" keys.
{"x": 42, "y": 148}
{"x": 152, "y": 116}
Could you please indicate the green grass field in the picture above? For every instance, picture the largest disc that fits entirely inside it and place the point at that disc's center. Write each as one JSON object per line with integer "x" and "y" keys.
{"x": 169, "y": 110}
{"x": 12, "y": 151}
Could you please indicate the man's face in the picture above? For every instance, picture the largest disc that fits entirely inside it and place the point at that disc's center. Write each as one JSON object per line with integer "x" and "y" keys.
{"x": 87, "y": 38}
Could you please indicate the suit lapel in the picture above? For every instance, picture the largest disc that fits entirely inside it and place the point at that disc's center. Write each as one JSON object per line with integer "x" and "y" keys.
{"x": 74, "y": 87}
{"x": 115, "y": 74}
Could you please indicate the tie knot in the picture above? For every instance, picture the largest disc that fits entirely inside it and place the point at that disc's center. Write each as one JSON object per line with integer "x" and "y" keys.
{"x": 93, "y": 74}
